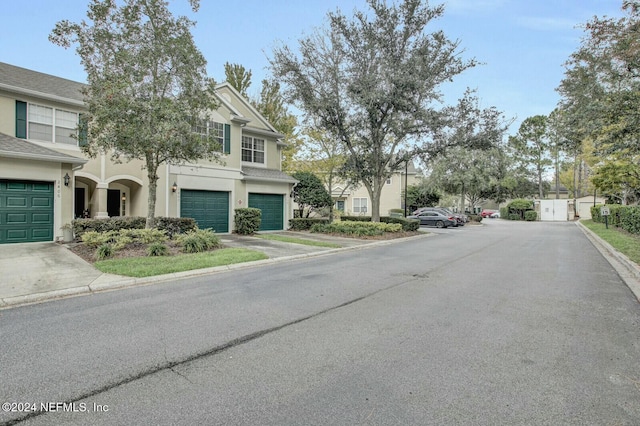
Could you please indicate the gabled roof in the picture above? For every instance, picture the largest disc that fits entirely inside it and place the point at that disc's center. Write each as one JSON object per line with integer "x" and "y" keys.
{"x": 238, "y": 115}
{"x": 33, "y": 83}
{"x": 12, "y": 147}
{"x": 269, "y": 175}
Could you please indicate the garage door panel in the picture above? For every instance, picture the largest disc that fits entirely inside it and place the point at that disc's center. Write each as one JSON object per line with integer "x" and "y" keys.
{"x": 210, "y": 209}
{"x": 272, "y": 208}
{"x": 19, "y": 202}
{"x": 40, "y": 202}
{"x": 26, "y": 211}
{"x": 16, "y": 218}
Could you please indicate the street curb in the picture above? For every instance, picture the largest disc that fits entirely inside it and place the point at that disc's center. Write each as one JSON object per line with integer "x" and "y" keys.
{"x": 101, "y": 284}
{"x": 628, "y": 270}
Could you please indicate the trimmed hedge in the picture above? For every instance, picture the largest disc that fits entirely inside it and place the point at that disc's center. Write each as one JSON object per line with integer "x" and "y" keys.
{"x": 530, "y": 215}
{"x": 172, "y": 225}
{"x": 407, "y": 224}
{"x": 247, "y": 220}
{"x": 305, "y": 223}
{"x": 625, "y": 217}
{"x": 357, "y": 228}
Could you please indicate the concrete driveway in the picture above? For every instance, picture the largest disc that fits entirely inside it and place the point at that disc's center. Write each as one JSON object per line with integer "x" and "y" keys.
{"x": 35, "y": 272}
{"x": 32, "y": 268}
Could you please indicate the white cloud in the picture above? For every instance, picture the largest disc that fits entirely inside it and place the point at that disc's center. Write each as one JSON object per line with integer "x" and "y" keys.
{"x": 547, "y": 24}
{"x": 465, "y": 6}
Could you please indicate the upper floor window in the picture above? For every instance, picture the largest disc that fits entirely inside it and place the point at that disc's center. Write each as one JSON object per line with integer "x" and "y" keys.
{"x": 252, "y": 150}
{"x": 52, "y": 124}
{"x": 211, "y": 129}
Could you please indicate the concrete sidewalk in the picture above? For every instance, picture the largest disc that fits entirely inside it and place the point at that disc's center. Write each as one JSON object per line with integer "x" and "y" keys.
{"x": 37, "y": 272}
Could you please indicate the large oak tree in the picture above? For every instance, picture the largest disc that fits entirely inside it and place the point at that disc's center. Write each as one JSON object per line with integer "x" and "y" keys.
{"x": 147, "y": 85}
{"x": 372, "y": 81}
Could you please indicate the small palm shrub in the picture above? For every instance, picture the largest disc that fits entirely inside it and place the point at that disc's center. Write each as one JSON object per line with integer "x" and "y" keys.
{"x": 105, "y": 251}
{"x": 198, "y": 241}
{"x": 157, "y": 249}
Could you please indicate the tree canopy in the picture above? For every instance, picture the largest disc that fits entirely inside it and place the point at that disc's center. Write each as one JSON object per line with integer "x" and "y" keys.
{"x": 309, "y": 193}
{"x": 601, "y": 98}
{"x": 147, "y": 85}
{"x": 372, "y": 81}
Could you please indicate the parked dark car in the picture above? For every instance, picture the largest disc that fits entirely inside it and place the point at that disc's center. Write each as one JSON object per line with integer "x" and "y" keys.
{"x": 460, "y": 220}
{"x": 433, "y": 218}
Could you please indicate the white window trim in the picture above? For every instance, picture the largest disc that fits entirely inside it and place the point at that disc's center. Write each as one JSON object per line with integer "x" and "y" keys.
{"x": 53, "y": 125}
{"x": 209, "y": 127}
{"x": 366, "y": 206}
{"x": 253, "y": 151}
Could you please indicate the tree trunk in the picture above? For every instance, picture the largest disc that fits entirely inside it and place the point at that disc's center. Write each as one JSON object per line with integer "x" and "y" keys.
{"x": 152, "y": 175}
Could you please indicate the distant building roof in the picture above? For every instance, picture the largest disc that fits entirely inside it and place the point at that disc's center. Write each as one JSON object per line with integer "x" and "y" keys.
{"x": 29, "y": 82}
{"x": 12, "y": 147}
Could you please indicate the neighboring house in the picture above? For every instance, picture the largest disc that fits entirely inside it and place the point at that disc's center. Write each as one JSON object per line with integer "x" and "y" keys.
{"x": 46, "y": 181}
{"x": 355, "y": 201}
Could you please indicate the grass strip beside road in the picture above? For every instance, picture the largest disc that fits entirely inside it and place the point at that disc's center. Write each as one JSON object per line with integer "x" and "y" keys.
{"x": 624, "y": 242}
{"x": 294, "y": 240}
{"x": 139, "y": 267}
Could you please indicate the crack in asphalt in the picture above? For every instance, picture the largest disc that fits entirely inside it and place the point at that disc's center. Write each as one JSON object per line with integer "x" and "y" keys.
{"x": 170, "y": 365}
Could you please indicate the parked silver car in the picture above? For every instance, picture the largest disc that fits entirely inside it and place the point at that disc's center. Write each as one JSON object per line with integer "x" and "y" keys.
{"x": 433, "y": 218}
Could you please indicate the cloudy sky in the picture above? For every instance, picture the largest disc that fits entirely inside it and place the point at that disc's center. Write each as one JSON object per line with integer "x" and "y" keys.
{"x": 522, "y": 45}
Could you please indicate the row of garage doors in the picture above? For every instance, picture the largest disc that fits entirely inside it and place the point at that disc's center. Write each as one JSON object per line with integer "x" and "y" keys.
{"x": 26, "y": 210}
{"x": 210, "y": 209}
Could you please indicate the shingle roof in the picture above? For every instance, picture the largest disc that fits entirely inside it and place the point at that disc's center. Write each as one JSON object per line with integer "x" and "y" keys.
{"x": 37, "y": 83}
{"x": 19, "y": 148}
{"x": 255, "y": 173}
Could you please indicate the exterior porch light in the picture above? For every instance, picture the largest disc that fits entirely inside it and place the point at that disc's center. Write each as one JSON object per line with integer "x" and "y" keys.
{"x": 174, "y": 188}
{"x": 66, "y": 179}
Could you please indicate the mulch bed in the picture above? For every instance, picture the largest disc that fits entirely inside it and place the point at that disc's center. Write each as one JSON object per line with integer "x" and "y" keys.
{"x": 132, "y": 250}
{"x": 140, "y": 250}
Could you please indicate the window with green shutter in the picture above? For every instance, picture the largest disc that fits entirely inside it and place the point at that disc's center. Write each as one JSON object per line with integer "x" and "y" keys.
{"x": 21, "y": 120}
{"x": 227, "y": 139}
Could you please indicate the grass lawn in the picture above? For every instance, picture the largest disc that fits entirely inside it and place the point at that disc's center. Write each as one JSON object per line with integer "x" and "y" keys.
{"x": 294, "y": 240}
{"x": 624, "y": 242}
{"x": 158, "y": 265}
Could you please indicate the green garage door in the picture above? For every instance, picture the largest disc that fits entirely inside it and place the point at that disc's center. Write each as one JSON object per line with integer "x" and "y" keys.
{"x": 272, "y": 206}
{"x": 209, "y": 208}
{"x": 26, "y": 211}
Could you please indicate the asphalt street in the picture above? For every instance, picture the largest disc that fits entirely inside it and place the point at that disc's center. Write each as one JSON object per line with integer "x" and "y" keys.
{"x": 505, "y": 324}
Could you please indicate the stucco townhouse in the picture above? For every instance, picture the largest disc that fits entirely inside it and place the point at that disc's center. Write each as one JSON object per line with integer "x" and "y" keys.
{"x": 46, "y": 180}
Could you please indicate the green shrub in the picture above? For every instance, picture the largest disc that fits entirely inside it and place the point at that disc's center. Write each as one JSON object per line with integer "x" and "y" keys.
{"x": 518, "y": 207}
{"x": 105, "y": 251}
{"x": 531, "y": 215}
{"x": 356, "y": 218}
{"x": 95, "y": 239}
{"x": 475, "y": 218}
{"x": 407, "y": 224}
{"x": 304, "y": 224}
{"x": 80, "y": 226}
{"x": 247, "y": 220}
{"x": 175, "y": 225}
{"x": 198, "y": 241}
{"x": 120, "y": 239}
{"x": 359, "y": 229}
{"x": 157, "y": 249}
{"x": 625, "y": 217}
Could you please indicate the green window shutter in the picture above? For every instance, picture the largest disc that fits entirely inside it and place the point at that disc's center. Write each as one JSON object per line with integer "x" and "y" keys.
{"x": 227, "y": 139}
{"x": 82, "y": 130}
{"x": 21, "y": 120}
